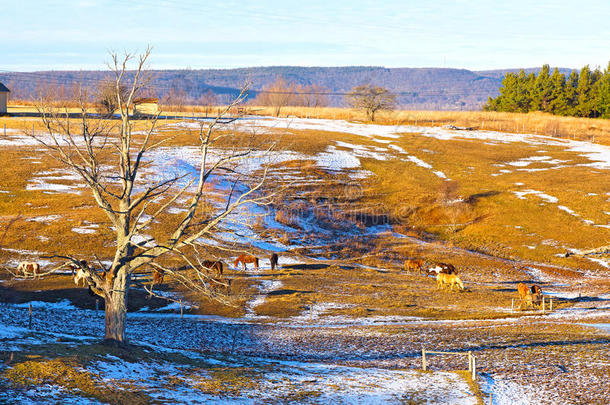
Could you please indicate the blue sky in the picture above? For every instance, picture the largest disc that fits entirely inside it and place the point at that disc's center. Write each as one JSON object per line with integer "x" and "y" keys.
{"x": 40, "y": 35}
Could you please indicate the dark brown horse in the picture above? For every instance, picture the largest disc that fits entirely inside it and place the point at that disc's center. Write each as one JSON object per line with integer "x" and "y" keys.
{"x": 244, "y": 258}
{"x": 273, "y": 259}
{"x": 214, "y": 265}
{"x": 536, "y": 294}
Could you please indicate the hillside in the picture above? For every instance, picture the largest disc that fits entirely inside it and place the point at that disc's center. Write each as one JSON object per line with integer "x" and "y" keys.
{"x": 418, "y": 88}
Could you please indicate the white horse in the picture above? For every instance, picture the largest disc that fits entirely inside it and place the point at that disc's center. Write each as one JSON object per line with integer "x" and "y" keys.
{"x": 80, "y": 275}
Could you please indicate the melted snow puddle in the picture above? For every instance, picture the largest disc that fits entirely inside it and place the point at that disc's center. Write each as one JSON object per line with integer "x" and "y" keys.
{"x": 505, "y": 392}
{"x": 604, "y": 327}
{"x": 265, "y": 287}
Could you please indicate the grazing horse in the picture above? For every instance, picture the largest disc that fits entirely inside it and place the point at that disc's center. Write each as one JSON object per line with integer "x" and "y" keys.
{"x": 444, "y": 268}
{"x": 214, "y": 265}
{"x": 244, "y": 258}
{"x": 525, "y": 294}
{"x": 28, "y": 268}
{"x": 415, "y": 265}
{"x": 273, "y": 259}
{"x": 450, "y": 280}
{"x": 157, "y": 277}
{"x": 536, "y": 292}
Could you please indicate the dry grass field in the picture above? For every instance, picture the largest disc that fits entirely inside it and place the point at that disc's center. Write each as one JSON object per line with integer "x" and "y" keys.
{"x": 354, "y": 200}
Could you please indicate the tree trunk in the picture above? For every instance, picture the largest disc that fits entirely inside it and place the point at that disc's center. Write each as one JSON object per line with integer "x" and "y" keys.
{"x": 116, "y": 308}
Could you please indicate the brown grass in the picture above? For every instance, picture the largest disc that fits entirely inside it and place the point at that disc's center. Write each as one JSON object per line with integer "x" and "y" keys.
{"x": 596, "y": 130}
{"x": 68, "y": 374}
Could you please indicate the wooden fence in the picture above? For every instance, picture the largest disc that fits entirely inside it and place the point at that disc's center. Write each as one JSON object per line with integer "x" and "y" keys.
{"x": 543, "y": 305}
{"x": 472, "y": 361}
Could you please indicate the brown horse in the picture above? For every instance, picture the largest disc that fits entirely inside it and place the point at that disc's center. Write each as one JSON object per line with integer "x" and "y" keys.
{"x": 273, "y": 259}
{"x": 244, "y": 258}
{"x": 158, "y": 277}
{"x": 214, "y": 265}
{"x": 415, "y": 265}
{"x": 525, "y": 295}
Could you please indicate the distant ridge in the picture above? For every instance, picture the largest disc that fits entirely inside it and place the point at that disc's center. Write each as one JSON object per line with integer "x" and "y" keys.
{"x": 417, "y": 88}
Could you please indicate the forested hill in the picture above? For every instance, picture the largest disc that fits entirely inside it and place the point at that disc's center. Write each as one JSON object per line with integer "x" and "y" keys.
{"x": 417, "y": 88}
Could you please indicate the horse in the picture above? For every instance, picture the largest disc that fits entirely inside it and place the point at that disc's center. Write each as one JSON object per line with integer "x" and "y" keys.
{"x": 415, "y": 265}
{"x": 28, "y": 268}
{"x": 80, "y": 275}
{"x": 244, "y": 258}
{"x": 273, "y": 259}
{"x": 525, "y": 294}
{"x": 157, "y": 277}
{"x": 444, "y": 268}
{"x": 536, "y": 292}
{"x": 451, "y": 280}
{"x": 215, "y": 265}
{"x": 74, "y": 267}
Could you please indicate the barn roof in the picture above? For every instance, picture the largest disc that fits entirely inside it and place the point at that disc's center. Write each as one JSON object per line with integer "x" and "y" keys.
{"x": 3, "y": 88}
{"x": 145, "y": 100}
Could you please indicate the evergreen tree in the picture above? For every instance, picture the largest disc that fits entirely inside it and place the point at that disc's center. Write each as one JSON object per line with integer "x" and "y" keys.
{"x": 571, "y": 96}
{"x": 595, "y": 94}
{"x": 558, "y": 100}
{"x": 542, "y": 91}
{"x": 604, "y": 94}
{"x": 583, "y": 93}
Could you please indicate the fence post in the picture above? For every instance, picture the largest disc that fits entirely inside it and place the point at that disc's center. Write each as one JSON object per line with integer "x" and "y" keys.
{"x": 469, "y": 361}
{"x": 490, "y": 401}
{"x": 474, "y": 368}
{"x": 423, "y": 358}
{"x": 543, "y": 304}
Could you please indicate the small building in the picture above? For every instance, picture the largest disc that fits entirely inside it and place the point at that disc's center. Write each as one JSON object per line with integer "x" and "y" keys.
{"x": 3, "y": 98}
{"x": 146, "y": 106}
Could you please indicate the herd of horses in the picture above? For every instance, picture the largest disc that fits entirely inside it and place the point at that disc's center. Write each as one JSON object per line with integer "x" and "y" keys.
{"x": 445, "y": 274}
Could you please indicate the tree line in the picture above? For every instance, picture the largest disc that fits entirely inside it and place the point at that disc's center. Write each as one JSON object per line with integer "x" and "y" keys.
{"x": 581, "y": 94}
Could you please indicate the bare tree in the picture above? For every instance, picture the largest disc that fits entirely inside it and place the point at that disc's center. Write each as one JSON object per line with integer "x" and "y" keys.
{"x": 113, "y": 159}
{"x": 106, "y": 97}
{"x": 208, "y": 100}
{"x": 278, "y": 95}
{"x": 371, "y": 99}
{"x": 311, "y": 96}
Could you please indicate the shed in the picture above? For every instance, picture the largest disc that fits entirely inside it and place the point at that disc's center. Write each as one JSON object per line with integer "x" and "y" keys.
{"x": 146, "y": 106}
{"x": 3, "y": 98}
